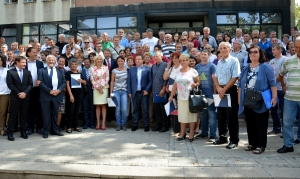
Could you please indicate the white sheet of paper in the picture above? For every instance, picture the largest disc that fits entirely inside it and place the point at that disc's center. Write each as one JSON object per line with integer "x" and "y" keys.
{"x": 110, "y": 102}
{"x": 210, "y": 101}
{"x": 167, "y": 108}
{"x": 217, "y": 100}
{"x": 75, "y": 77}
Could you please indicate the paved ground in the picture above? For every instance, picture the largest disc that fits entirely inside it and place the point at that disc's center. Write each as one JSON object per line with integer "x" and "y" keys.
{"x": 126, "y": 154}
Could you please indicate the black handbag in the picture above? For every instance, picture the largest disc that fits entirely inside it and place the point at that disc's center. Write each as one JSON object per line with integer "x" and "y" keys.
{"x": 197, "y": 102}
{"x": 253, "y": 99}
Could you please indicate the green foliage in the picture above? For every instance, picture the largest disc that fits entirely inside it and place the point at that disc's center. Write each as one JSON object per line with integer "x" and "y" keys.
{"x": 297, "y": 15}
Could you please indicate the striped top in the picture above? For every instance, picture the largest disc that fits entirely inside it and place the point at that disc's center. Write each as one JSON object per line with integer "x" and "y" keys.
{"x": 120, "y": 80}
{"x": 291, "y": 68}
{"x": 167, "y": 48}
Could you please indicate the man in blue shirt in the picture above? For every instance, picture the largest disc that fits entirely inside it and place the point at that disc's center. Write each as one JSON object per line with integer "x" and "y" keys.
{"x": 123, "y": 41}
{"x": 264, "y": 43}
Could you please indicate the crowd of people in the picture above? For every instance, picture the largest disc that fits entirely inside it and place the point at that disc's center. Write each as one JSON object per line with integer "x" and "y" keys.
{"x": 44, "y": 87}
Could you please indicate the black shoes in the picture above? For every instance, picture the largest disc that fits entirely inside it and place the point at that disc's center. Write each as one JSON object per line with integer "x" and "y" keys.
{"x": 146, "y": 129}
{"x": 231, "y": 145}
{"x": 39, "y": 131}
{"x": 285, "y": 149}
{"x": 57, "y": 133}
{"x": 134, "y": 128}
{"x": 221, "y": 141}
{"x": 181, "y": 138}
{"x": 24, "y": 135}
{"x": 274, "y": 132}
{"x": 156, "y": 129}
{"x": 163, "y": 129}
{"x": 30, "y": 131}
{"x": 45, "y": 136}
{"x": 296, "y": 141}
{"x": 10, "y": 137}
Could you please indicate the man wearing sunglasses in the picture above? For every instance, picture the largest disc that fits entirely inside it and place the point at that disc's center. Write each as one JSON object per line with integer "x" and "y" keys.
{"x": 87, "y": 49}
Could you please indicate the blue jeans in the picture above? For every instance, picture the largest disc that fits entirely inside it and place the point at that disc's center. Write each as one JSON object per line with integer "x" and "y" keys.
{"x": 143, "y": 101}
{"x": 291, "y": 110}
{"x": 88, "y": 105}
{"x": 121, "y": 108}
{"x": 275, "y": 112}
{"x": 209, "y": 115}
{"x": 298, "y": 134}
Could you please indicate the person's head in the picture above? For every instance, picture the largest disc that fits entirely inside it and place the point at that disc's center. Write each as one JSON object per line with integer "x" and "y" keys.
{"x": 256, "y": 54}
{"x": 81, "y": 55}
{"x": 10, "y": 55}
{"x": 144, "y": 35}
{"x": 50, "y": 60}
{"x": 219, "y": 37}
{"x": 99, "y": 47}
{"x": 158, "y": 55}
{"x": 147, "y": 57}
{"x": 70, "y": 40}
{"x": 161, "y": 35}
{"x": 2, "y": 61}
{"x": 255, "y": 33}
{"x": 219, "y": 56}
{"x": 31, "y": 53}
{"x": 21, "y": 48}
{"x": 120, "y": 61}
{"x": 73, "y": 63}
{"x": 20, "y": 62}
{"x": 46, "y": 39}
{"x": 293, "y": 29}
{"x": 14, "y": 46}
{"x": 157, "y": 47}
{"x": 128, "y": 51}
{"x": 297, "y": 46}
{"x": 175, "y": 58}
{"x": 4, "y": 48}
{"x": 129, "y": 37}
{"x": 192, "y": 61}
{"x": 184, "y": 60}
{"x": 205, "y": 40}
{"x": 136, "y": 36}
{"x": 246, "y": 37}
{"x": 208, "y": 48}
{"x": 198, "y": 57}
{"x": 146, "y": 48}
{"x": 86, "y": 43}
{"x": 183, "y": 39}
{"x": 176, "y": 37}
{"x": 130, "y": 61}
{"x": 107, "y": 53}
{"x": 138, "y": 49}
{"x": 52, "y": 42}
{"x": 255, "y": 40}
{"x": 98, "y": 61}
{"x": 277, "y": 50}
{"x": 190, "y": 45}
{"x": 78, "y": 41}
{"x": 62, "y": 38}
{"x": 138, "y": 60}
{"x": 87, "y": 63}
{"x": 168, "y": 38}
{"x": 2, "y": 40}
{"x": 68, "y": 49}
{"x": 160, "y": 42}
{"x": 121, "y": 33}
{"x": 116, "y": 40}
{"x": 197, "y": 35}
{"x": 262, "y": 35}
{"x": 289, "y": 44}
{"x": 238, "y": 32}
{"x": 274, "y": 40}
{"x": 37, "y": 46}
{"x": 285, "y": 38}
{"x": 94, "y": 38}
{"x": 104, "y": 37}
{"x": 191, "y": 34}
{"x": 194, "y": 51}
{"x": 55, "y": 51}
{"x": 184, "y": 33}
{"x": 296, "y": 34}
{"x": 237, "y": 45}
{"x": 122, "y": 53}
{"x": 178, "y": 47}
{"x": 204, "y": 56}
{"x": 206, "y": 31}
{"x": 227, "y": 38}
{"x": 85, "y": 36}
{"x": 44, "y": 55}
{"x": 292, "y": 50}
{"x": 149, "y": 33}
{"x": 273, "y": 34}
{"x": 225, "y": 48}
{"x": 61, "y": 62}
{"x": 91, "y": 56}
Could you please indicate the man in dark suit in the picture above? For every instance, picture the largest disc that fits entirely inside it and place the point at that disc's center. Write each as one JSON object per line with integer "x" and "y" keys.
{"x": 88, "y": 104}
{"x": 34, "y": 114}
{"x": 52, "y": 84}
{"x": 19, "y": 81}
{"x": 139, "y": 84}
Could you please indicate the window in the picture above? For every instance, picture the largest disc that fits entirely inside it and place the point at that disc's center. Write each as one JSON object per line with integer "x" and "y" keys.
{"x": 127, "y": 22}
{"x": 11, "y": 1}
{"x": 26, "y": 1}
{"x": 226, "y": 19}
{"x": 248, "y": 18}
{"x": 85, "y": 23}
{"x": 271, "y": 18}
{"x": 106, "y": 22}
{"x": 9, "y": 34}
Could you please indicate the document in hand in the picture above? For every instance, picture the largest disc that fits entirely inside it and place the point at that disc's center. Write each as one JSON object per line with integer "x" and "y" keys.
{"x": 74, "y": 82}
{"x": 267, "y": 96}
{"x": 112, "y": 102}
{"x": 169, "y": 108}
{"x": 222, "y": 102}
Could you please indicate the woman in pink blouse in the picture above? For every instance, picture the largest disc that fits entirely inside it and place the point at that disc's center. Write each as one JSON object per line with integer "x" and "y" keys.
{"x": 99, "y": 78}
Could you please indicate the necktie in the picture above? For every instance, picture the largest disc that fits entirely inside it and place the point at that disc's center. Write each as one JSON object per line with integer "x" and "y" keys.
{"x": 87, "y": 74}
{"x": 50, "y": 77}
{"x": 108, "y": 64}
{"x": 21, "y": 75}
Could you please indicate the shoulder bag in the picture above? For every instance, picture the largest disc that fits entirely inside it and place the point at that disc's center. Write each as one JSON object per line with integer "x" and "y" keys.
{"x": 197, "y": 102}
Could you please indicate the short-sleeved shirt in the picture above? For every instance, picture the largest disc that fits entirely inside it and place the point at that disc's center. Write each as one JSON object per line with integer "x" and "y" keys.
{"x": 227, "y": 69}
{"x": 205, "y": 72}
{"x": 167, "y": 48}
{"x": 211, "y": 40}
{"x": 240, "y": 55}
{"x": 291, "y": 68}
{"x": 68, "y": 78}
{"x": 184, "y": 82}
{"x": 106, "y": 45}
{"x": 276, "y": 65}
{"x": 173, "y": 73}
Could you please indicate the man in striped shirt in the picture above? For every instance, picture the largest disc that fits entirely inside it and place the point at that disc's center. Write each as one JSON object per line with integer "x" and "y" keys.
{"x": 168, "y": 46}
{"x": 290, "y": 68}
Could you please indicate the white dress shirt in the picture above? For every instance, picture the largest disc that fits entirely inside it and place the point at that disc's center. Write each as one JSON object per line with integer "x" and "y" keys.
{"x": 33, "y": 70}
{"x": 139, "y": 77}
{"x": 3, "y": 85}
{"x": 54, "y": 78}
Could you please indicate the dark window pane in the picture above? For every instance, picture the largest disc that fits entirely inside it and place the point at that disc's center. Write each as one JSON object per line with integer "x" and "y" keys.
{"x": 250, "y": 28}
{"x": 63, "y": 28}
{"x": 25, "y": 39}
{"x": 248, "y": 18}
{"x": 227, "y": 29}
{"x": 9, "y": 32}
{"x": 9, "y": 40}
{"x": 30, "y": 30}
{"x": 226, "y": 19}
{"x": 54, "y": 37}
{"x": 110, "y": 32}
{"x": 48, "y": 29}
{"x": 127, "y": 21}
{"x": 106, "y": 22}
{"x": 85, "y": 23}
{"x": 271, "y": 17}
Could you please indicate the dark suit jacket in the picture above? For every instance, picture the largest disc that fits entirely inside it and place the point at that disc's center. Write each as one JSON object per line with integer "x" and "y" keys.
{"x": 45, "y": 85}
{"x": 132, "y": 81}
{"x": 39, "y": 65}
{"x": 113, "y": 65}
{"x": 89, "y": 84}
{"x": 14, "y": 83}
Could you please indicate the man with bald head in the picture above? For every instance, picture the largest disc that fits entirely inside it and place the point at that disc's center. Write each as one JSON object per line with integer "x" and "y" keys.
{"x": 194, "y": 52}
{"x": 238, "y": 35}
{"x": 211, "y": 39}
{"x": 105, "y": 43}
{"x": 189, "y": 47}
{"x": 123, "y": 40}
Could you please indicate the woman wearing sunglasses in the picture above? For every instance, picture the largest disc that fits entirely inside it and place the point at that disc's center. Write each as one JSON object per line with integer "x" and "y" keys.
{"x": 257, "y": 76}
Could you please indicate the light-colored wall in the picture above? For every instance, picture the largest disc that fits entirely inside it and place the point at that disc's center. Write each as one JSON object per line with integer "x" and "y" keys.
{"x": 292, "y": 8}
{"x": 39, "y": 11}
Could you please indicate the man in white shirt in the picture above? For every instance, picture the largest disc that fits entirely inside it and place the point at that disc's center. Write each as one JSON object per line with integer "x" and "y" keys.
{"x": 72, "y": 44}
{"x": 247, "y": 41}
{"x": 150, "y": 40}
{"x": 238, "y": 35}
{"x": 99, "y": 50}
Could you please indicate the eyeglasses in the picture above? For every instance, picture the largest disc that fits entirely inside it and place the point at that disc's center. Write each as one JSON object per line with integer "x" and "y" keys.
{"x": 253, "y": 52}
{"x": 86, "y": 42}
{"x": 183, "y": 60}
{"x": 184, "y": 39}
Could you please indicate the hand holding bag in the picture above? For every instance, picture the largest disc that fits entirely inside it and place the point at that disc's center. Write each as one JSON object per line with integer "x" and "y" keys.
{"x": 197, "y": 102}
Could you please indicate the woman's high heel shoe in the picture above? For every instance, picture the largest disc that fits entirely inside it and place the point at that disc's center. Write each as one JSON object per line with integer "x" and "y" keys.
{"x": 98, "y": 127}
{"x": 103, "y": 127}
{"x": 181, "y": 138}
{"x": 190, "y": 140}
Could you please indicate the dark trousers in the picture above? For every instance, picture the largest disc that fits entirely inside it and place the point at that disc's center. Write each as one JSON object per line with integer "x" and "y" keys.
{"x": 160, "y": 115}
{"x": 143, "y": 101}
{"x": 228, "y": 117}
{"x": 17, "y": 106}
{"x": 88, "y": 106}
{"x": 73, "y": 113}
{"x": 257, "y": 125}
{"x": 277, "y": 111}
{"x": 34, "y": 114}
{"x": 50, "y": 113}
